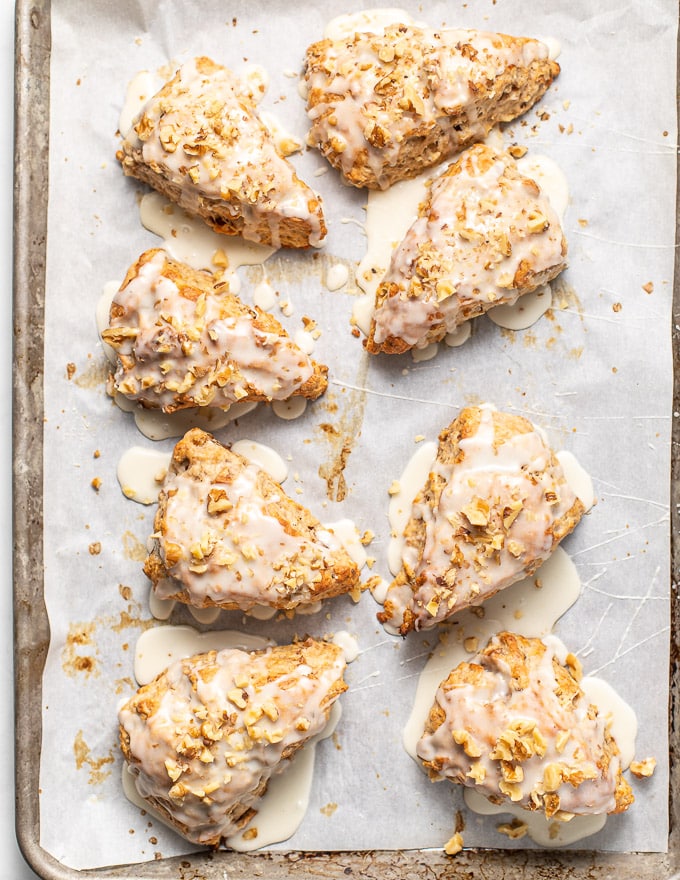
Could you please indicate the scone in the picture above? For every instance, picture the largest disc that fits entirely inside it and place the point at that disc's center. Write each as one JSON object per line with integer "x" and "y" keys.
{"x": 227, "y": 535}
{"x": 201, "y": 143}
{"x": 384, "y": 107}
{"x": 204, "y": 738}
{"x": 183, "y": 340}
{"x": 484, "y": 236}
{"x": 515, "y": 725}
{"x": 494, "y": 507}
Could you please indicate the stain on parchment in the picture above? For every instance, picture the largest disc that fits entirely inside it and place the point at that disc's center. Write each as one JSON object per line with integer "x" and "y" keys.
{"x": 99, "y": 770}
{"x": 95, "y": 375}
{"x": 79, "y": 655}
{"x": 343, "y": 434}
{"x": 133, "y": 548}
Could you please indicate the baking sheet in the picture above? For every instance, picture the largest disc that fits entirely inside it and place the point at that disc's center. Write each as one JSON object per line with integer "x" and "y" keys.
{"x": 566, "y": 384}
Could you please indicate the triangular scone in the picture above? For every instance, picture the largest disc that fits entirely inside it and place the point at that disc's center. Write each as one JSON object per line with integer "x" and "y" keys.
{"x": 384, "y": 107}
{"x": 183, "y": 340}
{"x": 484, "y": 236}
{"x": 204, "y": 738}
{"x": 201, "y": 143}
{"x": 226, "y": 534}
{"x": 494, "y": 507}
{"x": 515, "y": 725}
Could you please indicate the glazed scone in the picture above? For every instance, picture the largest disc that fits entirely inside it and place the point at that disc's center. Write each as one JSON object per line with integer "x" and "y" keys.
{"x": 494, "y": 507}
{"x": 204, "y": 738}
{"x": 385, "y": 106}
{"x": 515, "y": 725}
{"x": 183, "y": 340}
{"x": 484, "y": 236}
{"x": 227, "y": 535}
{"x": 200, "y": 142}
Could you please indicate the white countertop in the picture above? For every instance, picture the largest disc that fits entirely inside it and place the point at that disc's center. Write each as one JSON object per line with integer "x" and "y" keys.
{"x": 12, "y": 864}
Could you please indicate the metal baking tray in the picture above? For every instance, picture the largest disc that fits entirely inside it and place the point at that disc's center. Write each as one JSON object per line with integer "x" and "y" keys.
{"x": 31, "y": 625}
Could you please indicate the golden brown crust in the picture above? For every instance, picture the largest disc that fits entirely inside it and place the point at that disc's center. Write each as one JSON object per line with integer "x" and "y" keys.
{"x": 199, "y": 457}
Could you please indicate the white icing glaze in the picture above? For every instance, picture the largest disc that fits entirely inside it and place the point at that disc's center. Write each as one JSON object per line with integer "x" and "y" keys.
{"x": 459, "y": 336}
{"x": 484, "y": 237}
{"x": 263, "y": 456}
{"x": 348, "y": 644}
{"x": 577, "y": 477}
{"x": 378, "y": 590}
{"x": 289, "y": 409}
{"x": 253, "y": 82}
{"x": 102, "y": 310}
{"x": 160, "y": 646}
{"x": 157, "y": 425}
{"x": 140, "y": 89}
{"x": 188, "y": 239}
{"x": 176, "y": 352}
{"x": 264, "y": 296}
{"x": 420, "y": 355}
{"x": 566, "y": 738}
{"x": 512, "y": 492}
{"x": 550, "y": 178}
{"x": 212, "y": 770}
{"x": 202, "y": 134}
{"x": 283, "y": 807}
{"x": 337, "y": 276}
{"x": 141, "y": 472}
{"x": 539, "y": 829}
{"x": 304, "y": 341}
{"x": 222, "y": 543}
{"x": 525, "y": 311}
{"x": 347, "y": 533}
{"x": 389, "y": 215}
{"x": 362, "y": 312}
{"x": 286, "y": 142}
{"x": 372, "y": 20}
{"x": 438, "y": 70}
{"x": 404, "y": 491}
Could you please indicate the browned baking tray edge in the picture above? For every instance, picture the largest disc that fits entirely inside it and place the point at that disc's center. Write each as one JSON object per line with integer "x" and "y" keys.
{"x": 30, "y": 617}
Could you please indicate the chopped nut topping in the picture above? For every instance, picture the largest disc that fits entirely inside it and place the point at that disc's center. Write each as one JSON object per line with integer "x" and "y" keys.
{"x": 643, "y": 769}
{"x": 464, "y": 739}
{"x": 455, "y": 845}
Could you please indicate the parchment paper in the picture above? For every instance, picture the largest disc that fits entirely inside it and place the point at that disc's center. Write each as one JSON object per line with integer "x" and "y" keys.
{"x": 595, "y": 374}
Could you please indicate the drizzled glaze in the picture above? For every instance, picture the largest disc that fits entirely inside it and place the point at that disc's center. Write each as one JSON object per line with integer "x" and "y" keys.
{"x": 175, "y": 351}
{"x": 489, "y": 517}
{"x": 517, "y": 726}
{"x": 221, "y": 538}
{"x": 484, "y": 236}
{"x": 201, "y": 133}
{"x": 370, "y": 93}
{"x": 205, "y": 737}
